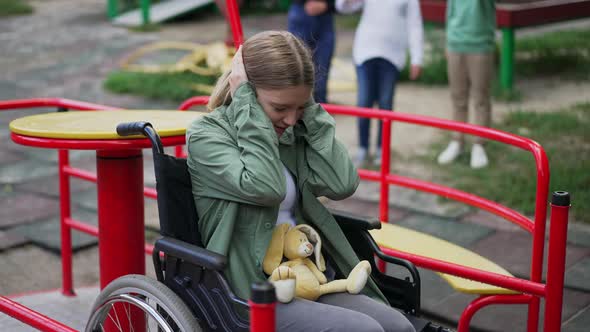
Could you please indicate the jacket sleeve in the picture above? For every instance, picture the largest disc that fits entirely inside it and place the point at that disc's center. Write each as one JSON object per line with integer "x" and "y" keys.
{"x": 415, "y": 33}
{"x": 349, "y": 6}
{"x": 238, "y": 162}
{"x": 332, "y": 173}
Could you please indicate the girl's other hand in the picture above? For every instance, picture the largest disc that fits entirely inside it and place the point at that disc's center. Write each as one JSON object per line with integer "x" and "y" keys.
{"x": 315, "y": 7}
{"x": 238, "y": 72}
{"x": 415, "y": 71}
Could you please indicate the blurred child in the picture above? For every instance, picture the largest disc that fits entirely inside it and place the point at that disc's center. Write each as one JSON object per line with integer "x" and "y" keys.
{"x": 313, "y": 22}
{"x": 471, "y": 27}
{"x": 387, "y": 29}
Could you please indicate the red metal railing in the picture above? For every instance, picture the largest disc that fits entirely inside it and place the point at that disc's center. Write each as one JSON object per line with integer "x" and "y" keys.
{"x": 31, "y": 317}
{"x": 536, "y": 227}
{"x": 534, "y": 287}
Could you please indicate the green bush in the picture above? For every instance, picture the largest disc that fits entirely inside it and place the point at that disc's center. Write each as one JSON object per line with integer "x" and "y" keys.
{"x": 15, "y": 7}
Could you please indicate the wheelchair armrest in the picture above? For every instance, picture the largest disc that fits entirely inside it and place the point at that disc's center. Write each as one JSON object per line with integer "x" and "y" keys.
{"x": 191, "y": 253}
{"x": 393, "y": 260}
{"x": 348, "y": 220}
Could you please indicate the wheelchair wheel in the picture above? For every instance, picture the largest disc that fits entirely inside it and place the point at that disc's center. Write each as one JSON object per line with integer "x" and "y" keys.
{"x": 136, "y": 300}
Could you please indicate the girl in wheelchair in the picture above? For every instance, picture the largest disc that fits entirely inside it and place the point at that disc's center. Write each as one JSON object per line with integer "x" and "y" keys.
{"x": 260, "y": 159}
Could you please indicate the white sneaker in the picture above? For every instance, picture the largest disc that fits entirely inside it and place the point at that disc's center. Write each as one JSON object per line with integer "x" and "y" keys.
{"x": 479, "y": 158}
{"x": 377, "y": 159}
{"x": 451, "y": 153}
{"x": 361, "y": 157}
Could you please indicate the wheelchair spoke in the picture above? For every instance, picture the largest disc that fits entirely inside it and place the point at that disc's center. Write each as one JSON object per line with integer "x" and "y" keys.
{"x": 117, "y": 323}
{"x": 128, "y": 312}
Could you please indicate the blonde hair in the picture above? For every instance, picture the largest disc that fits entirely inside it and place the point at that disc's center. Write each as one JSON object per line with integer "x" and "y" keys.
{"x": 273, "y": 60}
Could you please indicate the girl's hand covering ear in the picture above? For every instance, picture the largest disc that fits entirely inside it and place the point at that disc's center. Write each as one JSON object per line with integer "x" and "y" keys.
{"x": 238, "y": 72}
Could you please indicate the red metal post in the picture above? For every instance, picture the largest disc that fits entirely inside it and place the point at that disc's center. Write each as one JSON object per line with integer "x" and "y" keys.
{"x": 262, "y": 307}
{"x": 120, "y": 213}
{"x": 67, "y": 288}
{"x": 542, "y": 165}
{"x": 233, "y": 14}
{"x": 385, "y": 169}
{"x": 560, "y": 205}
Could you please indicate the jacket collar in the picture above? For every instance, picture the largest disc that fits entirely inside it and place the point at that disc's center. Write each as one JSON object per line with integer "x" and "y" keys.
{"x": 288, "y": 137}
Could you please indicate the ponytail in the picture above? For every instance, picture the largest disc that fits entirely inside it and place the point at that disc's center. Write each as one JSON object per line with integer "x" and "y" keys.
{"x": 221, "y": 93}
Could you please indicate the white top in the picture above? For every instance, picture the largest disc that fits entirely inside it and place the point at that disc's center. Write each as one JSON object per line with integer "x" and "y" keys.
{"x": 287, "y": 205}
{"x": 386, "y": 29}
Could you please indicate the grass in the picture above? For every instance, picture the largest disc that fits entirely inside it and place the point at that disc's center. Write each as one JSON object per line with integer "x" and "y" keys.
{"x": 562, "y": 53}
{"x": 14, "y": 7}
{"x": 167, "y": 86}
{"x": 347, "y": 22}
{"x": 510, "y": 177}
{"x": 150, "y": 27}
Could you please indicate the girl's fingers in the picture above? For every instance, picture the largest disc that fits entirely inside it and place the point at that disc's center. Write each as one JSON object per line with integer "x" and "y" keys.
{"x": 238, "y": 71}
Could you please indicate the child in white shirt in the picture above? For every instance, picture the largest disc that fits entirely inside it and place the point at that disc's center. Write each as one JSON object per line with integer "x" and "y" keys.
{"x": 387, "y": 29}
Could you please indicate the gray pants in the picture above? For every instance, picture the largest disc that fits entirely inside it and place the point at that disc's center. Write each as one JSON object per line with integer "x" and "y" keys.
{"x": 471, "y": 74}
{"x": 340, "y": 312}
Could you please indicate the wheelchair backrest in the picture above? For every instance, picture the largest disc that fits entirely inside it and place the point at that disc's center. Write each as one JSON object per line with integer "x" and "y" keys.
{"x": 176, "y": 205}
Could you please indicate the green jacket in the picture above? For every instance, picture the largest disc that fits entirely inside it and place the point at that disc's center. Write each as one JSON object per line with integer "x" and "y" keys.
{"x": 236, "y": 165}
{"x": 471, "y": 26}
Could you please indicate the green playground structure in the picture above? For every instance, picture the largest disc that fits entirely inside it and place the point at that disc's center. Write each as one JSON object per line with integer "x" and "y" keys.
{"x": 149, "y": 11}
{"x": 143, "y": 12}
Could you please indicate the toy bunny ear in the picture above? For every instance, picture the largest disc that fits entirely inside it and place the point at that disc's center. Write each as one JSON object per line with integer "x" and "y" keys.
{"x": 314, "y": 237}
{"x": 274, "y": 253}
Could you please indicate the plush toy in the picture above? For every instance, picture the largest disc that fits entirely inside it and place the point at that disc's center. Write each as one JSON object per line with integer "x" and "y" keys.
{"x": 299, "y": 276}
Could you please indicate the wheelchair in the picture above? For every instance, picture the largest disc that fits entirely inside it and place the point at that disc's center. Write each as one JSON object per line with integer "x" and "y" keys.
{"x": 191, "y": 292}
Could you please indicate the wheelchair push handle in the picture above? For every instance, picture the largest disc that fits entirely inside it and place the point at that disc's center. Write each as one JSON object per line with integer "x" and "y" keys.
{"x": 141, "y": 128}
{"x": 132, "y": 128}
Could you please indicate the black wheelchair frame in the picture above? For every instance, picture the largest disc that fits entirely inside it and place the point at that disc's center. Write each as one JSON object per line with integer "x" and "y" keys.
{"x": 195, "y": 274}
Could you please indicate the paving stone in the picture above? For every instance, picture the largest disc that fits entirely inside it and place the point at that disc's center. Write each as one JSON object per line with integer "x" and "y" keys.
{"x": 512, "y": 250}
{"x": 49, "y": 186}
{"x": 87, "y": 199}
{"x": 12, "y": 90}
{"x": 47, "y": 234}
{"x": 26, "y": 170}
{"x": 579, "y": 322}
{"x": 489, "y": 220}
{"x": 152, "y": 219}
{"x": 149, "y": 176}
{"x": 7, "y": 116}
{"x": 11, "y": 157}
{"x": 8, "y": 241}
{"x": 364, "y": 208}
{"x": 413, "y": 200}
{"x": 26, "y": 208}
{"x": 458, "y": 233}
{"x": 574, "y": 302}
{"x": 578, "y": 234}
{"x": 51, "y": 155}
{"x": 28, "y": 263}
{"x": 578, "y": 275}
{"x": 434, "y": 289}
